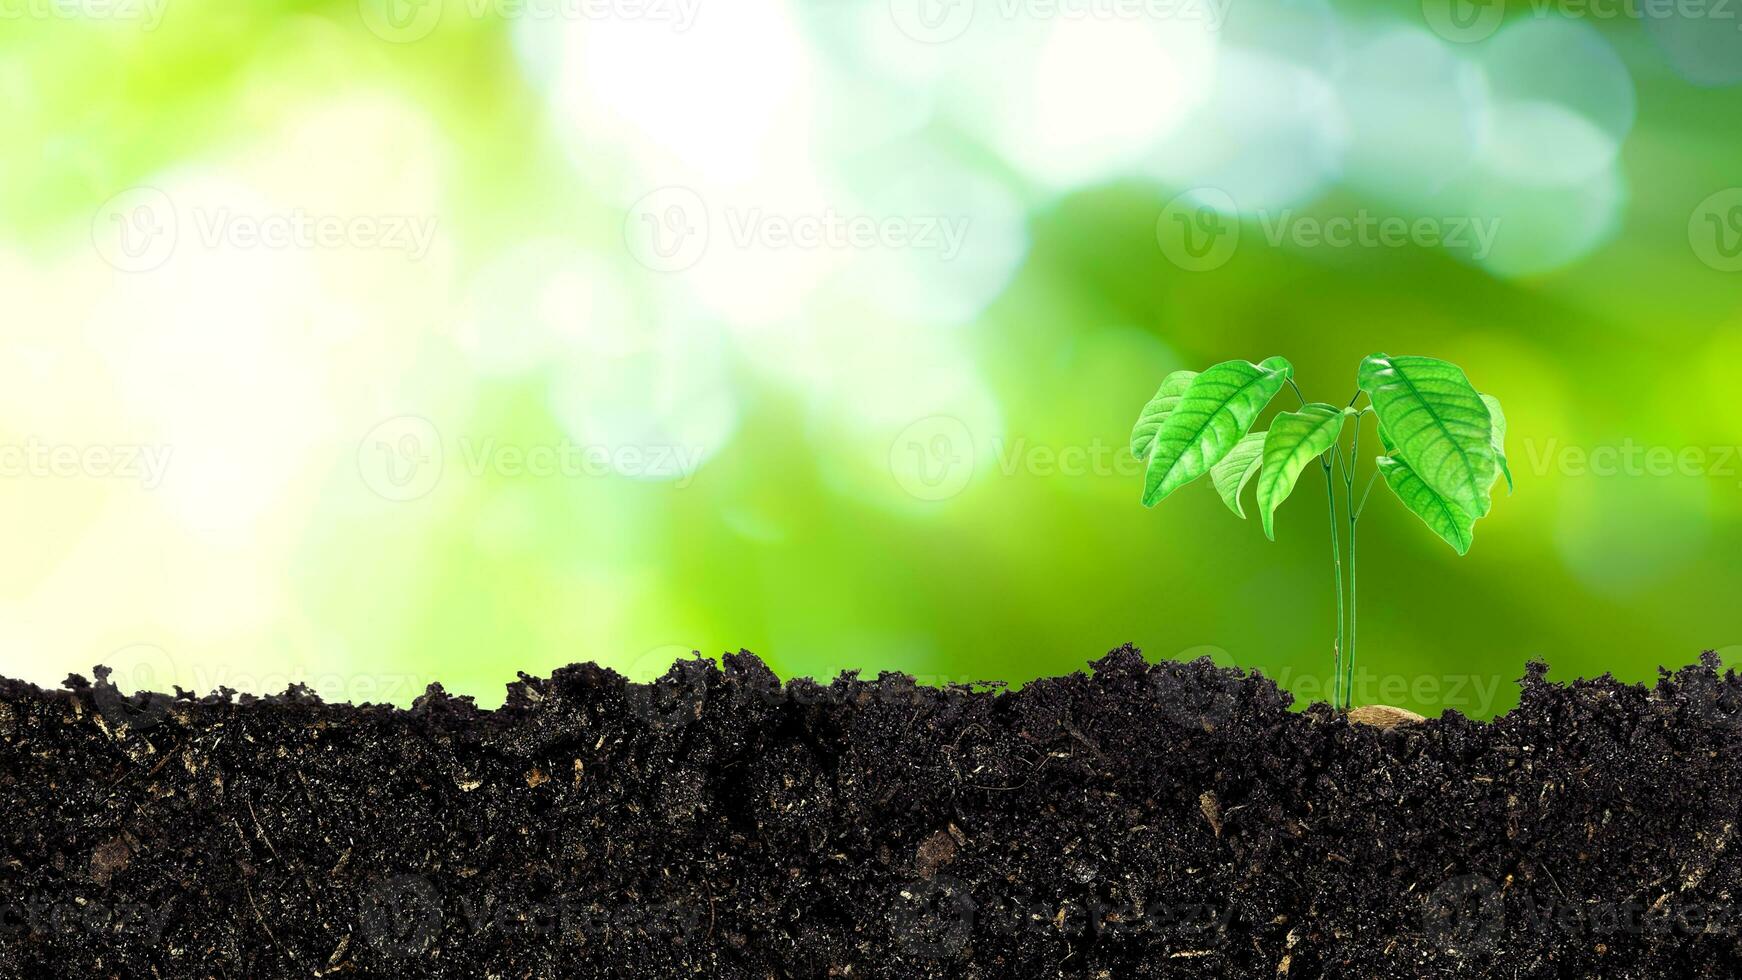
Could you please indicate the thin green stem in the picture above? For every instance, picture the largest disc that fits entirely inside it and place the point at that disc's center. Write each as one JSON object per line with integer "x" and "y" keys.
{"x": 1372, "y": 479}
{"x": 1349, "y": 508}
{"x": 1354, "y": 458}
{"x": 1337, "y": 695}
{"x": 1354, "y": 603}
{"x": 1343, "y": 654}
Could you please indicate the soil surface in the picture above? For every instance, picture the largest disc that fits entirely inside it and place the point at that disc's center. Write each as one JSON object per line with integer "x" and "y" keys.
{"x": 1171, "y": 820}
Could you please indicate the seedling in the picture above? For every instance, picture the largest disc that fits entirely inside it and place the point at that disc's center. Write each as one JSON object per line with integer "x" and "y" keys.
{"x": 1443, "y": 442}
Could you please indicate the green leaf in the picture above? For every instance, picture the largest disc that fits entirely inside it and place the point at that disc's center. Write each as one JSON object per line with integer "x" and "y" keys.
{"x": 1216, "y": 410}
{"x": 1237, "y": 468}
{"x": 1438, "y": 423}
{"x": 1156, "y": 412}
{"x": 1446, "y": 518}
{"x": 1294, "y": 440}
{"x": 1498, "y": 436}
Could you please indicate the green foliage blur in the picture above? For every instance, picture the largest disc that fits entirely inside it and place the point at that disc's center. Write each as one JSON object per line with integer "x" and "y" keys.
{"x": 877, "y": 418}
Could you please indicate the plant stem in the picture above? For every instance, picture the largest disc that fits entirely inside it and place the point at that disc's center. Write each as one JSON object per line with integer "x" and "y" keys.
{"x": 1297, "y": 392}
{"x": 1337, "y": 695}
{"x": 1349, "y": 508}
{"x": 1374, "y": 478}
{"x": 1354, "y": 606}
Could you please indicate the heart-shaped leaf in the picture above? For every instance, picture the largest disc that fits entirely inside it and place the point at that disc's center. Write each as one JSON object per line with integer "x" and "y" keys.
{"x": 1447, "y": 519}
{"x": 1215, "y": 412}
{"x": 1498, "y": 436}
{"x": 1156, "y": 412}
{"x": 1294, "y": 440}
{"x": 1237, "y": 468}
{"x": 1438, "y": 423}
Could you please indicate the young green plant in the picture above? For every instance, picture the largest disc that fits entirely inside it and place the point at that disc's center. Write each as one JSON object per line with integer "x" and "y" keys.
{"x": 1443, "y": 441}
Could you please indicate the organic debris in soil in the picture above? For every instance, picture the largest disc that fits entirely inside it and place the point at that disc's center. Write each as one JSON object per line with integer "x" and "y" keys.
{"x": 1170, "y": 820}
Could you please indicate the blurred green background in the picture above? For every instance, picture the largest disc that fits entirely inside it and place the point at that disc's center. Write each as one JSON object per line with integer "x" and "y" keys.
{"x": 366, "y": 344}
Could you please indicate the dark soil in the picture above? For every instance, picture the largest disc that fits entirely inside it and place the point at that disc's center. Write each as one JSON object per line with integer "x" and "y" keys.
{"x": 1143, "y": 821}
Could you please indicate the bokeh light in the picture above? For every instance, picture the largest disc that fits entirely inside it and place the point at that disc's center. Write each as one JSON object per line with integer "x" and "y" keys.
{"x": 391, "y": 350}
